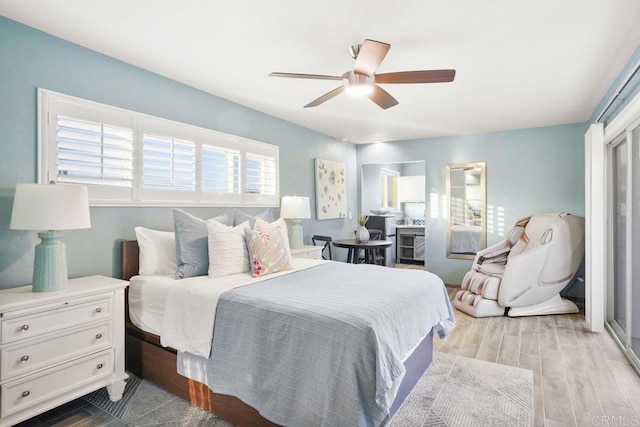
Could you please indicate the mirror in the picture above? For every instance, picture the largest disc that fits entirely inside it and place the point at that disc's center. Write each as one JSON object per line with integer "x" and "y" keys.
{"x": 466, "y": 195}
{"x": 396, "y": 187}
{"x": 389, "y": 189}
{"x": 393, "y": 196}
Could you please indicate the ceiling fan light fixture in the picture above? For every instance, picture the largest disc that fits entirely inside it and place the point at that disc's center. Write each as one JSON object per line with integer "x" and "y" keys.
{"x": 358, "y": 84}
{"x": 359, "y": 90}
{"x": 363, "y": 80}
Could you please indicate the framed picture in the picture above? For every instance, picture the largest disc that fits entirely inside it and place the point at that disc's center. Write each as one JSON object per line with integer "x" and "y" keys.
{"x": 331, "y": 189}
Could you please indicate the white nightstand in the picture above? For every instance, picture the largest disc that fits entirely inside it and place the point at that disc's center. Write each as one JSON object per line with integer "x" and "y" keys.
{"x": 313, "y": 252}
{"x": 58, "y": 346}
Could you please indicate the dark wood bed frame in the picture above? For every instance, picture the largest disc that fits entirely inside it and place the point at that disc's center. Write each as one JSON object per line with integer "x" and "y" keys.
{"x": 148, "y": 359}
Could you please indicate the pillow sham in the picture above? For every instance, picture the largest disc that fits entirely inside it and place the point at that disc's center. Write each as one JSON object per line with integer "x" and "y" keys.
{"x": 192, "y": 251}
{"x": 268, "y": 227}
{"x": 227, "y": 249}
{"x": 267, "y": 252}
{"x": 239, "y": 217}
{"x": 157, "y": 251}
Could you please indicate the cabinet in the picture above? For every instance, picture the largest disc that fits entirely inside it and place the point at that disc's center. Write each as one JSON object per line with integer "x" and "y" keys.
{"x": 58, "y": 346}
{"x": 410, "y": 244}
{"x": 307, "y": 251}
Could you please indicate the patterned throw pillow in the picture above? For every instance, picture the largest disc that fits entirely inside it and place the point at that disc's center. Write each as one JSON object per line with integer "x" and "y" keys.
{"x": 267, "y": 252}
{"x": 265, "y": 227}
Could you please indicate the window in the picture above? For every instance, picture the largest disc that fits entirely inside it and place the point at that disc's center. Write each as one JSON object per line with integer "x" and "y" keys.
{"x": 128, "y": 158}
{"x": 220, "y": 170}
{"x": 261, "y": 174}
{"x": 94, "y": 153}
{"x": 168, "y": 163}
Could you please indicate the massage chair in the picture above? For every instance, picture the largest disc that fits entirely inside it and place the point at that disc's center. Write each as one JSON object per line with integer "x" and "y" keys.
{"x": 524, "y": 274}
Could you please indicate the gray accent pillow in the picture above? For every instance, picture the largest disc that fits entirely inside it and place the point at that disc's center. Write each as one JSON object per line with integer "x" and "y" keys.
{"x": 192, "y": 244}
{"x": 239, "y": 217}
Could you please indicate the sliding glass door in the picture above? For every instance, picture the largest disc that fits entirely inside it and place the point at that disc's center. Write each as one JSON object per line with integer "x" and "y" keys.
{"x": 619, "y": 167}
{"x": 623, "y": 308}
{"x": 634, "y": 281}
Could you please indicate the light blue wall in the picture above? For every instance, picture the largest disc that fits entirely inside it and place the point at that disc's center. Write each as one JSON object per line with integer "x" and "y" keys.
{"x": 528, "y": 171}
{"x": 30, "y": 59}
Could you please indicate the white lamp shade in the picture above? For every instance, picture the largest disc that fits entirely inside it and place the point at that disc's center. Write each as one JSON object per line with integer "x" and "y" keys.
{"x": 295, "y": 207}
{"x": 50, "y": 207}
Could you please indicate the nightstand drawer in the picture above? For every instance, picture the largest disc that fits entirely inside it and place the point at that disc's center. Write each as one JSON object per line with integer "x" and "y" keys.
{"x": 27, "y": 326}
{"x": 21, "y": 394}
{"x": 21, "y": 359}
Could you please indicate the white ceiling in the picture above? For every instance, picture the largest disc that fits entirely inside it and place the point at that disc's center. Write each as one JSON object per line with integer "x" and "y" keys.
{"x": 519, "y": 63}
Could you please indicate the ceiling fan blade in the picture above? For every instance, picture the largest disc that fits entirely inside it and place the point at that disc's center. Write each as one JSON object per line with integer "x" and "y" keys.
{"x": 382, "y": 97}
{"x": 324, "y": 98}
{"x": 424, "y": 76}
{"x": 370, "y": 56}
{"x": 305, "y": 76}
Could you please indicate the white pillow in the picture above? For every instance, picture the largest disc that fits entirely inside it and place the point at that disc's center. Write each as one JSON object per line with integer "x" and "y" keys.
{"x": 263, "y": 226}
{"x": 157, "y": 251}
{"x": 227, "y": 249}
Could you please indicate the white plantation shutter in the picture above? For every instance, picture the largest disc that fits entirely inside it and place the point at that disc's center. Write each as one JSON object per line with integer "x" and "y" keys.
{"x": 131, "y": 159}
{"x": 94, "y": 153}
{"x": 168, "y": 163}
{"x": 260, "y": 174}
{"x": 220, "y": 170}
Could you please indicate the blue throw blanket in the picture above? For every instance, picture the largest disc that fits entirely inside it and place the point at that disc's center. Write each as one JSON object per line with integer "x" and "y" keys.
{"x": 321, "y": 346}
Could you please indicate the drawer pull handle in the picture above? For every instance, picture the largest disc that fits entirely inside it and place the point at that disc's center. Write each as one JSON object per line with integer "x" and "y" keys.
{"x": 98, "y": 336}
{"x": 98, "y": 310}
{"x": 24, "y": 327}
{"x": 99, "y": 366}
{"x": 26, "y": 393}
{"x": 24, "y": 358}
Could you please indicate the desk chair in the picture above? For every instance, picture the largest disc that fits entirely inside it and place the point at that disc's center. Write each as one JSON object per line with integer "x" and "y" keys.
{"x": 327, "y": 244}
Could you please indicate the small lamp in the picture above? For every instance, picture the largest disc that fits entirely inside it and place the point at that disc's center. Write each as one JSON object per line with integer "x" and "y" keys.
{"x": 295, "y": 208}
{"x": 50, "y": 208}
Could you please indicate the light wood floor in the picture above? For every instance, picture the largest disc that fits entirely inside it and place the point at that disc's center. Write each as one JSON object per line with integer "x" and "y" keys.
{"x": 580, "y": 378}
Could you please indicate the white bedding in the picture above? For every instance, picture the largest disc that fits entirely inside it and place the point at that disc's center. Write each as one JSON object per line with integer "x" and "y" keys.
{"x": 147, "y": 299}
{"x": 182, "y": 311}
{"x": 466, "y": 239}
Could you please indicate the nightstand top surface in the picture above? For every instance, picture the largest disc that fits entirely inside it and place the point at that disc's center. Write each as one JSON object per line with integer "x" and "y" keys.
{"x": 18, "y": 297}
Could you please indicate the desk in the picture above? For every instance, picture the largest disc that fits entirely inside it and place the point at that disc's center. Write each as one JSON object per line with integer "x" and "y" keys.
{"x": 368, "y": 247}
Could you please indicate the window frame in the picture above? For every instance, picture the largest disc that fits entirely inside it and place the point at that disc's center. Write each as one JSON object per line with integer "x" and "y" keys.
{"x": 53, "y": 104}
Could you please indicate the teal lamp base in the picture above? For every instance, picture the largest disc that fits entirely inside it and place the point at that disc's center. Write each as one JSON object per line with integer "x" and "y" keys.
{"x": 50, "y": 264}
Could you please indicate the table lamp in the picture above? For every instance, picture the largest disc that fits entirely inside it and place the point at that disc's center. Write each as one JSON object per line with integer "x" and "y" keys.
{"x": 48, "y": 208}
{"x": 295, "y": 208}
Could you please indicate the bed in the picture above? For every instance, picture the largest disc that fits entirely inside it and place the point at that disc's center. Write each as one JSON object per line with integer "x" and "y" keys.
{"x": 466, "y": 239}
{"x": 263, "y": 394}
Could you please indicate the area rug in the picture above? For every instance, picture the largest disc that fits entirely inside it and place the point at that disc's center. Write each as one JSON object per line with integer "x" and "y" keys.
{"x": 458, "y": 391}
{"x": 454, "y": 391}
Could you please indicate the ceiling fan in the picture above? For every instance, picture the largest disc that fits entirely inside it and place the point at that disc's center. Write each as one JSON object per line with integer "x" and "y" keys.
{"x": 362, "y": 80}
